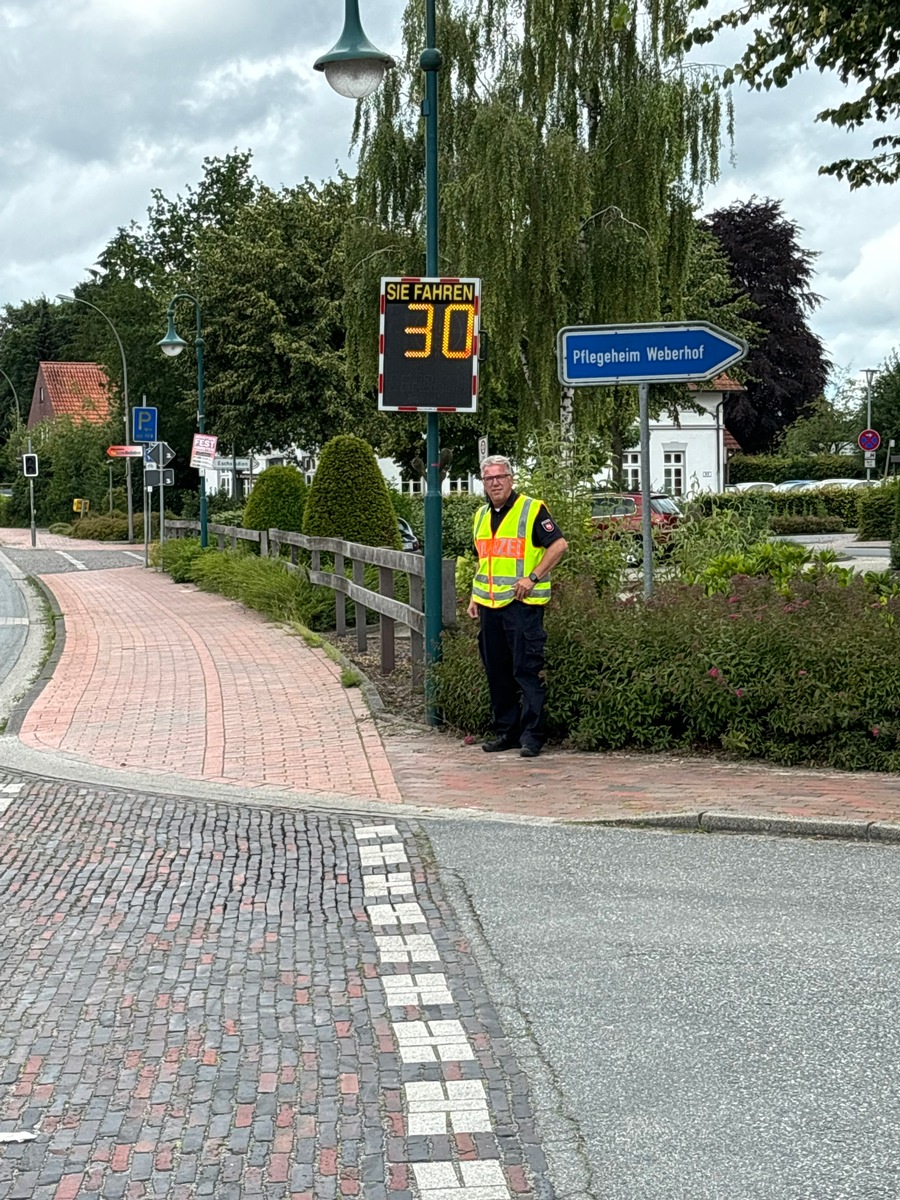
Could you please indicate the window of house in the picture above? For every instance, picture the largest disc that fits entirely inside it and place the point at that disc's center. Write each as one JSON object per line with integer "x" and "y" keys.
{"x": 631, "y": 471}
{"x": 673, "y": 472}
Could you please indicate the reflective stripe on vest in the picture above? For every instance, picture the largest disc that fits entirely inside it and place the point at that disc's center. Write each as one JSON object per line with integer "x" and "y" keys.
{"x": 508, "y": 555}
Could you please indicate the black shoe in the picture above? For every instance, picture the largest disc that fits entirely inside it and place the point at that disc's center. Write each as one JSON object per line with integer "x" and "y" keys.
{"x": 529, "y": 751}
{"x": 498, "y": 743}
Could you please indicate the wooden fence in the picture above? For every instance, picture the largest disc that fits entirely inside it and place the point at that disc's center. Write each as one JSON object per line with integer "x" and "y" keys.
{"x": 391, "y": 612}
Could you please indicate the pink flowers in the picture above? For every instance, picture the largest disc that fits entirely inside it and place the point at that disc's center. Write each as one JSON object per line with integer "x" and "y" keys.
{"x": 739, "y": 691}
{"x": 875, "y": 731}
{"x": 713, "y": 672}
{"x": 801, "y": 673}
{"x": 732, "y": 599}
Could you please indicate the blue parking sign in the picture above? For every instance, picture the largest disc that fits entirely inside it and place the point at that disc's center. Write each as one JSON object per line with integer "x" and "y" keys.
{"x": 144, "y": 424}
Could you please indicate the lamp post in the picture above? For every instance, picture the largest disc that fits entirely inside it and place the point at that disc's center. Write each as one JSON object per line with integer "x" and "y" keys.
{"x": 870, "y": 373}
{"x": 172, "y": 345}
{"x": 16, "y": 396}
{"x": 78, "y": 300}
{"x": 355, "y": 68}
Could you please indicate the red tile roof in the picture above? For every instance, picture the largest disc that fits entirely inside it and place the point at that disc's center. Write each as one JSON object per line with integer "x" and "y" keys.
{"x": 721, "y": 383}
{"x": 70, "y": 389}
{"x": 730, "y": 441}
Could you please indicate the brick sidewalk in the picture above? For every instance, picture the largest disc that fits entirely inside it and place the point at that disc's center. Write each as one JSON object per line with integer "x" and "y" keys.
{"x": 159, "y": 677}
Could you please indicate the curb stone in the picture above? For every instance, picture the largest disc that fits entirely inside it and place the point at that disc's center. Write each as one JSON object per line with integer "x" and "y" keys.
{"x": 728, "y": 822}
{"x": 20, "y": 711}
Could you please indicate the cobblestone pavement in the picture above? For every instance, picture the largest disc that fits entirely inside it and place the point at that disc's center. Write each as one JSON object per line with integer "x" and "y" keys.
{"x": 161, "y": 678}
{"x": 209, "y": 1000}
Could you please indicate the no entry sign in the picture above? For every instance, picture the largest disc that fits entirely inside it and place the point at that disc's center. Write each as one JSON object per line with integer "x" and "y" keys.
{"x": 869, "y": 439}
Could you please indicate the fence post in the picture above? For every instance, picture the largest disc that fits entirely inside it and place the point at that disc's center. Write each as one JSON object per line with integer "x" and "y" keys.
{"x": 416, "y": 641}
{"x": 340, "y": 600}
{"x": 221, "y": 540}
{"x": 359, "y": 577}
{"x": 263, "y": 544}
{"x": 386, "y": 588}
{"x": 448, "y": 591}
{"x": 234, "y": 538}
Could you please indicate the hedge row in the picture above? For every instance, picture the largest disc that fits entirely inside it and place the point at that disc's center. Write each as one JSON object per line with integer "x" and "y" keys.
{"x": 797, "y": 525}
{"x": 796, "y": 679}
{"x": 869, "y": 510}
{"x": 777, "y": 468}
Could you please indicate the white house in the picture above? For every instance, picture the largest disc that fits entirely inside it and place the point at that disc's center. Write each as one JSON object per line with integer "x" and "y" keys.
{"x": 690, "y": 454}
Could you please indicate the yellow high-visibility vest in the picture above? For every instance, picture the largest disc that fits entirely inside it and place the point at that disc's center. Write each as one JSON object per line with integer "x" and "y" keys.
{"x": 507, "y": 555}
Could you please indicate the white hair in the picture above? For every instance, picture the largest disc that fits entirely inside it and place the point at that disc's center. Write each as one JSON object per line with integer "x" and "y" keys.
{"x": 496, "y": 460}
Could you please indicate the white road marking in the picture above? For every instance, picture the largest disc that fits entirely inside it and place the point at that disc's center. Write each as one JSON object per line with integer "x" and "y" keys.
{"x": 74, "y": 561}
{"x": 404, "y": 990}
{"x": 430, "y": 1041}
{"x": 411, "y": 947}
{"x": 465, "y": 1181}
{"x": 395, "y": 914}
{"x": 379, "y": 856}
{"x": 12, "y": 789}
{"x": 375, "y": 831}
{"x": 134, "y": 554}
{"x": 24, "y": 1136}
{"x": 13, "y": 620}
{"x": 461, "y": 1102}
{"x": 392, "y": 881}
{"x": 10, "y": 567}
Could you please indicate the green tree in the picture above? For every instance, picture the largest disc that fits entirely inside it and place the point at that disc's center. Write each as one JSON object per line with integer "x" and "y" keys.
{"x": 829, "y": 426}
{"x": 858, "y": 42}
{"x": 349, "y": 497}
{"x": 73, "y": 463}
{"x": 886, "y": 401}
{"x": 573, "y": 150}
{"x": 273, "y": 292}
{"x": 33, "y": 332}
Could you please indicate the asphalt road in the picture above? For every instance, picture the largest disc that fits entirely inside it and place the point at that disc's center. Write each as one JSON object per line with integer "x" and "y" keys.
{"x": 701, "y": 1017}
{"x": 13, "y": 624}
{"x": 53, "y": 562}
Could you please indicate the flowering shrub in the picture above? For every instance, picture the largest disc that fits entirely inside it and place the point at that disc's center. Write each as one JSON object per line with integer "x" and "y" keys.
{"x": 800, "y": 679}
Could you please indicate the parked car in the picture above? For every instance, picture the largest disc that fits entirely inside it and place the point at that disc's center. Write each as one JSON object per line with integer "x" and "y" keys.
{"x": 836, "y": 483}
{"x": 760, "y": 485}
{"x": 623, "y": 512}
{"x": 409, "y": 541}
{"x": 791, "y": 485}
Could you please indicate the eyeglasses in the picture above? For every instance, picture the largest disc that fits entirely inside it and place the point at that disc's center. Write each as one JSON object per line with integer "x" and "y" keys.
{"x": 487, "y": 479}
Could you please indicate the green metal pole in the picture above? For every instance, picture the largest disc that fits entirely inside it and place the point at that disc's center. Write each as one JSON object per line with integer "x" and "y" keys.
{"x": 201, "y": 425}
{"x": 430, "y": 63}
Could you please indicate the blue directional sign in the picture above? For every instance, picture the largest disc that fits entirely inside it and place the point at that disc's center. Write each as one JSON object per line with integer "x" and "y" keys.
{"x": 664, "y": 352}
{"x": 144, "y": 425}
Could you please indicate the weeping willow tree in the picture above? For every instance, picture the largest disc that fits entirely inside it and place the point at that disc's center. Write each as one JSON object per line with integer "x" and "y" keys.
{"x": 573, "y": 151}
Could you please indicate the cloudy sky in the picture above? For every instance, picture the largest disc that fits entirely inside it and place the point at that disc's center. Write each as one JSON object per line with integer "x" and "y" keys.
{"x": 103, "y": 100}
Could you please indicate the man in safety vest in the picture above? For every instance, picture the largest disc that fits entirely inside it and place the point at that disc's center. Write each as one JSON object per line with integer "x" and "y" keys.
{"x": 518, "y": 543}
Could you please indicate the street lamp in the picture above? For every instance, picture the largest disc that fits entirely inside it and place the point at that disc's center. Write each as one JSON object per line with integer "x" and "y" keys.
{"x": 78, "y": 300}
{"x": 16, "y": 395}
{"x": 870, "y": 373}
{"x": 172, "y": 345}
{"x": 354, "y": 68}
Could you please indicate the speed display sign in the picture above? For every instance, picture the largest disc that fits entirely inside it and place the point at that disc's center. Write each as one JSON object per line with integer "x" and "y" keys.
{"x": 428, "y": 344}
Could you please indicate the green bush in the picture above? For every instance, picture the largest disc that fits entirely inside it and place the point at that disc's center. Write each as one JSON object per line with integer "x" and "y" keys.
{"x": 404, "y": 506}
{"x": 457, "y": 516}
{"x": 114, "y": 528}
{"x": 796, "y": 679}
{"x": 177, "y": 556}
{"x": 267, "y": 585}
{"x": 797, "y": 524}
{"x": 277, "y": 501}
{"x": 349, "y": 496}
{"x": 876, "y": 512}
{"x": 778, "y": 468}
{"x": 228, "y": 516}
{"x": 841, "y": 502}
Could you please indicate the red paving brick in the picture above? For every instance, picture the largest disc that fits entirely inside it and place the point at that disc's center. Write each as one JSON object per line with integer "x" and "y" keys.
{"x": 159, "y": 677}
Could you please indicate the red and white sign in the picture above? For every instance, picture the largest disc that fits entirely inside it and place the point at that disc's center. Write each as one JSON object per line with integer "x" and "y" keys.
{"x": 869, "y": 439}
{"x": 203, "y": 450}
{"x": 125, "y": 451}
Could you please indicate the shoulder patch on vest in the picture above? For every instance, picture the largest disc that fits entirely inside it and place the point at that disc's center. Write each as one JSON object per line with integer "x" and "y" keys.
{"x": 548, "y": 525}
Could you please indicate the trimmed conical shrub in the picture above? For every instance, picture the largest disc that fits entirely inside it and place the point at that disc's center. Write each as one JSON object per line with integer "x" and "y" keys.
{"x": 277, "y": 500}
{"x": 349, "y": 497}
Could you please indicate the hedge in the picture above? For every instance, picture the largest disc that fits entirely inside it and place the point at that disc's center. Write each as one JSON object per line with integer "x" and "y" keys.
{"x": 349, "y": 497}
{"x": 796, "y": 679}
{"x": 113, "y": 528}
{"x": 799, "y": 524}
{"x": 458, "y": 513}
{"x": 778, "y": 468}
{"x": 876, "y": 512}
{"x": 276, "y": 502}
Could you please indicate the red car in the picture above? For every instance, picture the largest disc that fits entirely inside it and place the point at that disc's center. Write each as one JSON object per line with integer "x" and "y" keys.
{"x": 623, "y": 511}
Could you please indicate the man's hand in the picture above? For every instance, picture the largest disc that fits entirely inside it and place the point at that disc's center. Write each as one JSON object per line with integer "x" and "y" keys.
{"x": 472, "y": 610}
{"x": 524, "y": 587}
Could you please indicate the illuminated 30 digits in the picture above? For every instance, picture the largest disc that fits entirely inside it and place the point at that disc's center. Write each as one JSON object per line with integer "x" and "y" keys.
{"x": 425, "y": 330}
{"x": 469, "y": 310}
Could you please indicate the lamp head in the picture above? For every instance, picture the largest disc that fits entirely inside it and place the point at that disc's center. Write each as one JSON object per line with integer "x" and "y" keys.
{"x": 171, "y": 344}
{"x": 353, "y": 66}
{"x": 66, "y": 299}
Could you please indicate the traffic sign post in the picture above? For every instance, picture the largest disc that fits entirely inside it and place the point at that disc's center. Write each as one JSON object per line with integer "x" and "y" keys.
{"x": 159, "y": 478}
{"x": 869, "y": 439}
{"x": 160, "y": 454}
{"x": 657, "y": 352}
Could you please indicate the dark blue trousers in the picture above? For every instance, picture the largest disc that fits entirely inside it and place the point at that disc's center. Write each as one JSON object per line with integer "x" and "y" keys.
{"x": 511, "y": 640}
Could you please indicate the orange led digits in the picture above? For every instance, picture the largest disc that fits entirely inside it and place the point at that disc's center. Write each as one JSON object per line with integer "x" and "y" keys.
{"x": 425, "y": 330}
{"x": 469, "y": 310}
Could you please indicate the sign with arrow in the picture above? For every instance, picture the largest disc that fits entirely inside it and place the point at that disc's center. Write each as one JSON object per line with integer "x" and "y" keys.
{"x": 869, "y": 440}
{"x": 157, "y": 478}
{"x": 661, "y": 352}
{"x": 125, "y": 451}
{"x": 160, "y": 453}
